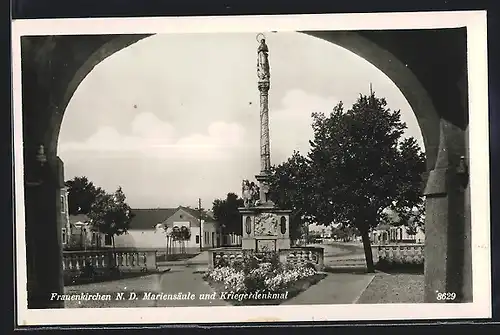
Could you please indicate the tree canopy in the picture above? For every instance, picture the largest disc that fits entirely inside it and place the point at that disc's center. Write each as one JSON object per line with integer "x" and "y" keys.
{"x": 226, "y": 213}
{"x": 82, "y": 193}
{"x": 359, "y": 164}
{"x": 110, "y": 214}
{"x": 290, "y": 186}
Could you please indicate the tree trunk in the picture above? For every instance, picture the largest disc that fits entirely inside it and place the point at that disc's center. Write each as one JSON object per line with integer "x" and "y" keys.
{"x": 368, "y": 250}
{"x": 168, "y": 246}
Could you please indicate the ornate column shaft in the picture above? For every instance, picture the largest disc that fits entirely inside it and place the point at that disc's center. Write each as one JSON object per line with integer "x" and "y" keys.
{"x": 263, "y": 74}
{"x": 265, "y": 156}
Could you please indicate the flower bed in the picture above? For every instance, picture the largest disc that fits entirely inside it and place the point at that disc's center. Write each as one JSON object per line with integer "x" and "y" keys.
{"x": 259, "y": 281}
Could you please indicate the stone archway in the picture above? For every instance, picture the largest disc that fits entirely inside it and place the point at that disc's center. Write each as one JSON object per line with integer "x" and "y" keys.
{"x": 54, "y": 66}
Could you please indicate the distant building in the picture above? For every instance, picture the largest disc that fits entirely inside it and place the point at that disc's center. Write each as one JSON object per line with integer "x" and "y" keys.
{"x": 149, "y": 228}
{"x": 327, "y": 232}
{"x": 390, "y": 232}
{"x": 385, "y": 234}
{"x": 82, "y": 237}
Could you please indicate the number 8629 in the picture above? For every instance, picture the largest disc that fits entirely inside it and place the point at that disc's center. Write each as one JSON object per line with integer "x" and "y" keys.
{"x": 449, "y": 296}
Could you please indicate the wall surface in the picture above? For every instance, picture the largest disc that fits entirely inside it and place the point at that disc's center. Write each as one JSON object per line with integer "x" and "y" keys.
{"x": 153, "y": 238}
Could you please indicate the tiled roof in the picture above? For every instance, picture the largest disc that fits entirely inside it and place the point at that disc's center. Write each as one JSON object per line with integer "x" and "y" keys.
{"x": 196, "y": 213}
{"x": 149, "y": 218}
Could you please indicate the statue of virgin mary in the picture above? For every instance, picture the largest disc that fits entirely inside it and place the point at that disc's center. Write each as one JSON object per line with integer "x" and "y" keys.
{"x": 263, "y": 61}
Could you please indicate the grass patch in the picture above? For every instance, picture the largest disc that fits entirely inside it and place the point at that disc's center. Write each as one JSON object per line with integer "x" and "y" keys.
{"x": 402, "y": 288}
{"x": 295, "y": 288}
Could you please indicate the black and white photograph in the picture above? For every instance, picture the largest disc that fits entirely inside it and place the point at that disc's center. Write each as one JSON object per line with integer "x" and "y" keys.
{"x": 261, "y": 168}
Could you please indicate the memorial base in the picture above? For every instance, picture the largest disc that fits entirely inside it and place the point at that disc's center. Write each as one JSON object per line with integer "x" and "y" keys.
{"x": 265, "y": 228}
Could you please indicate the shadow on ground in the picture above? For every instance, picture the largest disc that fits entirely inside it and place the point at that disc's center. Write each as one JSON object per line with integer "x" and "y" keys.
{"x": 347, "y": 269}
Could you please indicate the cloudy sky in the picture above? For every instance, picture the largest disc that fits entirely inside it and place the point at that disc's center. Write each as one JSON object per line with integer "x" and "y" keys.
{"x": 174, "y": 118}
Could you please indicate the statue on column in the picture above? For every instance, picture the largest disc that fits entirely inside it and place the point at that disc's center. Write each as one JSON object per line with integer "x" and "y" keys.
{"x": 263, "y": 61}
{"x": 250, "y": 193}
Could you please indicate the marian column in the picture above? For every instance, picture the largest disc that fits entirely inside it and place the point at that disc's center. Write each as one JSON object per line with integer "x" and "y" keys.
{"x": 265, "y": 227}
{"x": 264, "y": 81}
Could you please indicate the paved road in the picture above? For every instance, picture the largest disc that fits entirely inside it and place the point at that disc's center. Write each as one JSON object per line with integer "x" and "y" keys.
{"x": 341, "y": 249}
{"x": 180, "y": 281}
{"x": 184, "y": 279}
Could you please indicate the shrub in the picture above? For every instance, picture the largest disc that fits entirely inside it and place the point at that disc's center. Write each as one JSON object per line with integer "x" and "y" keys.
{"x": 263, "y": 273}
{"x": 310, "y": 265}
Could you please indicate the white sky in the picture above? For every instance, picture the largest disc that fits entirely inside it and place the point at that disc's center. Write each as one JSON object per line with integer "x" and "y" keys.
{"x": 174, "y": 118}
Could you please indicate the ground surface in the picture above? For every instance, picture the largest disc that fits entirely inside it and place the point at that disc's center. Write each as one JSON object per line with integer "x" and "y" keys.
{"x": 345, "y": 287}
{"x": 394, "y": 288}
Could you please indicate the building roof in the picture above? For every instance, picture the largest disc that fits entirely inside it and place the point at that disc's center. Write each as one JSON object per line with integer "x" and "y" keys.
{"x": 78, "y": 218}
{"x": 207, "y": 216}
{"x": 148, "y": 218}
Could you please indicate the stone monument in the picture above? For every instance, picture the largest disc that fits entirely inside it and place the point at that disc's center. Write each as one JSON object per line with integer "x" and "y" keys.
{"x": 265, "y": 226}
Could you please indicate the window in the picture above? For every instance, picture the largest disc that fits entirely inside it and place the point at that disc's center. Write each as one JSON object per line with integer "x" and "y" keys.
{"x": 63, "y": 204}
{"x": 94, "y": 238}
{"x": 197, "y": 239}
{"x": 64, "y": 236}
{"x": 205, "y": 237}
{"x": 108, "y": 239}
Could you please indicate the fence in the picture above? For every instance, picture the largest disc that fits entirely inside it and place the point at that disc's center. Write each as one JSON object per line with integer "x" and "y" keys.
{"x": 123, "y": 260}
{"x": 399, "y": 255}
{"x": 299, "y": 255}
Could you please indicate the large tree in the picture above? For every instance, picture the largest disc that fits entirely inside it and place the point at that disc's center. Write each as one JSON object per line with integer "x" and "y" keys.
{"x": 110, "y": 214}
{"x": 82, "y": 193}
{"x": 362, "y": 165}
{"x": 226, "y": 213}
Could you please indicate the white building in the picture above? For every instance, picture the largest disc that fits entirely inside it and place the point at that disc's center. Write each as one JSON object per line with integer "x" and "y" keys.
{"x": 152, "y": 229}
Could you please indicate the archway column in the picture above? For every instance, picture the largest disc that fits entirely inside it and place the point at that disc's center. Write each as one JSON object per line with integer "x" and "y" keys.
{"x": 43, "y": 184}
{"x": 448, "y": 269}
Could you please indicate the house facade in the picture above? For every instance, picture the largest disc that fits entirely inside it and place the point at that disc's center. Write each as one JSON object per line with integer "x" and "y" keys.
{"x": 385, "y": 234}
{"x": 204, "y": 232}
{"x": 82, "y": 237}
{"x": 146, "y": 230}
{"x": 153, "y": 229}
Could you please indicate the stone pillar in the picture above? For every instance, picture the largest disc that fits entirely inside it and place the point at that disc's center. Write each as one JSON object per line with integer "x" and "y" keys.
{"x": 43, "y": 232}
{"x": 265, "y": 158}
{"x": 447, "y": 226}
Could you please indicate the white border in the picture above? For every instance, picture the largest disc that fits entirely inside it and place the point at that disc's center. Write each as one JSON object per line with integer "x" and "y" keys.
{"x": 475, "y": 21}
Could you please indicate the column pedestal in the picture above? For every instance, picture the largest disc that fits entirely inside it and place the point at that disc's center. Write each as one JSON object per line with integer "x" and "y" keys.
{"x": 265, "y": 228}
